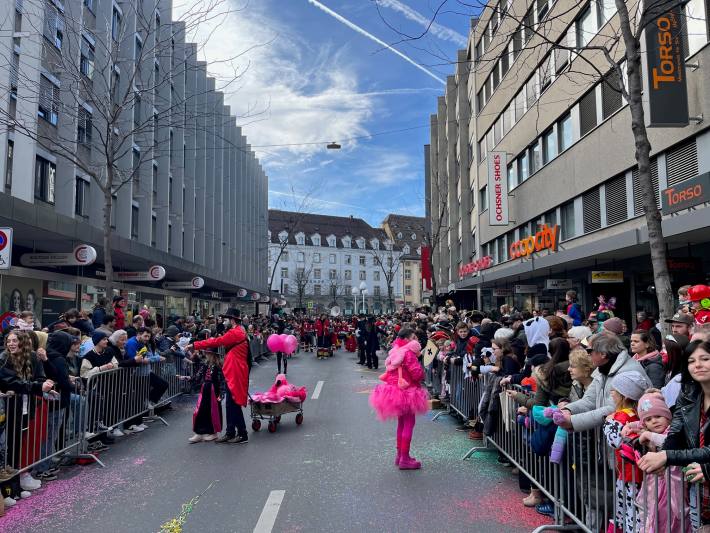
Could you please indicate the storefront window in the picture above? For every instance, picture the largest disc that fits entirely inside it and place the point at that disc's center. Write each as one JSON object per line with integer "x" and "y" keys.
{"x": 59, "y": 296}
{"x": 90, "y": 295}
{"x": 175, "y": 307}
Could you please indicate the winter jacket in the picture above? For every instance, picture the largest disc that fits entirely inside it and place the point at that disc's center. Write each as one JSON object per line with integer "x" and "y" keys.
{"x": 56, "y": 367}
{"x": 97, "y": 316}
{"x": 235, "y": 367}
{"x": 92, "y": 362}
{"x": 575, "y": 313}
{"x": 652, "y": 363}
{"x": 404, "y": 355}
{"x": 596, "y": 404}
{"x": 120, "y": 317}
{"x": 543, "y": 395}
{"x": 682, "y": 445}
{"x": 10, "y": 381}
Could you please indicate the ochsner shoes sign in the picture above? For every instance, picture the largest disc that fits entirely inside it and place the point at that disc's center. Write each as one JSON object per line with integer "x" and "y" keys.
{"x": 498, "y": 214}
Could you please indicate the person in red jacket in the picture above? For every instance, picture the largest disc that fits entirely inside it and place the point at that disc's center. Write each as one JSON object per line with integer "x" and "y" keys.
{"x": 119, "y": 302}
{"x": 236, "y": 374}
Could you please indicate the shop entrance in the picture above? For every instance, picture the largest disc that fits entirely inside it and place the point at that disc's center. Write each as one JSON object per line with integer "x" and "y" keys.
{"x": 621, "y": 292}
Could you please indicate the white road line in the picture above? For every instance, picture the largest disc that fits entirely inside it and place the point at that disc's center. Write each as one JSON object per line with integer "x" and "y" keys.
{"x": 271, "y": 510}
{"x": 316, "y": 393}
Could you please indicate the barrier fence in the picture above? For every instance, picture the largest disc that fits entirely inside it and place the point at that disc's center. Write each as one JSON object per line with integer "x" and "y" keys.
{"x": 592, "y": 488}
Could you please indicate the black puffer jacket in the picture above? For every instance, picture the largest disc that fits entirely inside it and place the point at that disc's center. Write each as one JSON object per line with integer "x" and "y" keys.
{"x": 10, "y": 381}
{"x": 56, "y": 367}
{"x": 682, "y": 445}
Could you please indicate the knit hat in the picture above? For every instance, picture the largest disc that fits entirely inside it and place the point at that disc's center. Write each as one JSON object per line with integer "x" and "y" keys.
{"x": 614, "y": 325}
{"x": 653, "y": 405}
{"x": 97, "y": 336}
{"x": 171, "y": 331}
{"x": 629, "y": 384}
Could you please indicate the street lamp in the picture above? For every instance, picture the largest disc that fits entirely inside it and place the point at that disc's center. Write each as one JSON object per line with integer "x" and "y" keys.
{"x": 333, "y": 146}
{"x": 355, "y": 292}
{"x": 363, "y": 291}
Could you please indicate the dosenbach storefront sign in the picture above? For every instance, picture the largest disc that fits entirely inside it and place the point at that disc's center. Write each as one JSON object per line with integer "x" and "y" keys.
{"x": 475, "y": 266}
{"x": 545, "y": 239}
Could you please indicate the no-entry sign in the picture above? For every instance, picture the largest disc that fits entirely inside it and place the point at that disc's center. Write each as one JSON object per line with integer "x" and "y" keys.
{"x": 5, "y": 248}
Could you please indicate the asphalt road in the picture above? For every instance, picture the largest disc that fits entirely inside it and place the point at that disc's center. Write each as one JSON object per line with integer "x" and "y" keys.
{"x": 336, "y": 471}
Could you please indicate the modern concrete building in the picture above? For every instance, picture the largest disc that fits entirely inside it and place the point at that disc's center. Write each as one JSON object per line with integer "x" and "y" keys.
{"x": 189, "y": 193}
{"x": 408, "y": 234}
{"x": 565, "y": 136}
{"x": 317, "y": 261}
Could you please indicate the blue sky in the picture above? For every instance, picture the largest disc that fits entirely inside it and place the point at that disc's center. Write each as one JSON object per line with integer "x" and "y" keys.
{"x": 307, "y": 77}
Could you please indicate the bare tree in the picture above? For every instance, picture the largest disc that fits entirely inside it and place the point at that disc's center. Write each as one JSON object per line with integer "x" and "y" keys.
{"x": 115, "y": 89}
{"x": 302, "y": 282}
{"x": 387, "y": 260}
{"x": 611, "y": 55}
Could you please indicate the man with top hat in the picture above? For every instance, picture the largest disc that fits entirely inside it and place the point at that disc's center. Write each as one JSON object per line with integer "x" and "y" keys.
{"x": 236, "y": 374}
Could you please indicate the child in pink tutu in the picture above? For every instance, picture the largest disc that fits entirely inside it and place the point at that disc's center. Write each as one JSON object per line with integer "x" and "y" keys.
{"x": 402, "y": 395}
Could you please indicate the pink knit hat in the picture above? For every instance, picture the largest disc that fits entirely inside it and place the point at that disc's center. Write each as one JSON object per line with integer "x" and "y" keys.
{"x": 653, "y": 405}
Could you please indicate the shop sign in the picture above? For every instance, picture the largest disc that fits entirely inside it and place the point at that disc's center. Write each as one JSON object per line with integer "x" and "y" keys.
{"x": 553, "y": 284}
{"x": 256, "y": 296}
{"x": 691, "y": 192}
{"x": 241, "y": 293}
{"x": 82, "y": 255}
{"x": 545, "y": 239}
{"x": 665, "y": 90}
{"x": 502, "y": 292}
{"x": 216, "y": 295}
{"x": 194, "y": 283}
{"x": 154, "y": 273}
{"x": 475, "y": 266}
{"x": 607, "y": 276}
{"x": 525, "y": 289}
{"x": 684, "y": 264}
{"x": 5, "y": 248}
{"x": 498, "y": 189}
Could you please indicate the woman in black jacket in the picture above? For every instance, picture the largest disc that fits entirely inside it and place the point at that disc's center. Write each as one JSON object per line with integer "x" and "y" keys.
{"x": 688, "y": 440}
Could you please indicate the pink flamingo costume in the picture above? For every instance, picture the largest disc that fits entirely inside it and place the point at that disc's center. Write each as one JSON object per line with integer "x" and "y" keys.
{"x": 402, "y": 396}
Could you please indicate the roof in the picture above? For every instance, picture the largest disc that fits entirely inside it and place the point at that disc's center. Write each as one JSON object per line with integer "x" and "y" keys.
{"x": 323, "y": 225}
{"x": 406, "y": 226}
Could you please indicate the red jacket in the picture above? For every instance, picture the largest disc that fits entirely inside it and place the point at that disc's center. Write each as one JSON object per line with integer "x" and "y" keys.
{"x": 322, "y": 327}
{"x": 120, "y": 317}
{"x": 235, "y": 368}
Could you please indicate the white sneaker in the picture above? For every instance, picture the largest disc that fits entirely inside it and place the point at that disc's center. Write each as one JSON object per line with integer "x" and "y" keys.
{"x": 102, "y": 426}
{"x": 143, "y": 427}
{"x": 137, "y": 429}
{"x": 117, "y": 433}
{"x": 151, "y": 405}
{"x": 27, "y": 482}
{"x": 209, "y": 438}
{"x": 25, "y": 494}
{"x": 10, "y": 502}
{"x": 89, "y": 435}
{"x": 195, "y": 438}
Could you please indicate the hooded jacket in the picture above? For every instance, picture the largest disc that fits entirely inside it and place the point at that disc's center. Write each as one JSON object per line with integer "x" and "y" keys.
{"x": 56, "y": 366}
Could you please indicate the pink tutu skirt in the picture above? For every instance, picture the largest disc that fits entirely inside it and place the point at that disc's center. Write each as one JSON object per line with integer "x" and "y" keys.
{"x": 389, "y": 401}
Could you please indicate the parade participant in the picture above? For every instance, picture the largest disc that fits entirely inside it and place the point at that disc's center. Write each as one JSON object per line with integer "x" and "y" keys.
{"x": 207, "y": 416}
{"x": 573, "y": 309}
{"x": 323, "y": 339}
{"x": 236, "y": 374}
{"x": 307, "y": 334}
{"x": 699, "y": 296}
{"x": 401, "y": 395}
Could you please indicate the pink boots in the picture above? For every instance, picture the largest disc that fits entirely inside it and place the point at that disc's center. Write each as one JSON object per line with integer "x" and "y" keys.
{"x": 405, "y": 462}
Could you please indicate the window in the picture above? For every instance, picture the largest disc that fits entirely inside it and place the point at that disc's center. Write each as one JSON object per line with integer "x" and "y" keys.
{"x": 482, "y": 150}
{"x": 137, "y": 111}
{"x": 362, "y": 260}
{"x": 523, "y": 167}
{"x": 136, "y": 170}
{"x": 86, "y": 62}
{"x": 483, "y": 198}
{"x": 531, "y": 91}
{"x": 504, "y": 63}
{"x": 316, "y": 240}
{"x": 501, "y": 249}
{"x": 363, "y": 275}
{"x": 407, "y": 273}
{"x": 512, "y": 175}
{"x": 155, "y": 185}
{"x": 545, "y": 73}
{"x": 134, "y": 222}
{"x": 519, "y": 105}
{"x": 528, "y": 25}
{"x": 389, "y": 262}
{"x": 284, "y": 272}
{"x": 45, "y": 177}
{"x": 616, "y": 209}
{"x": 361, "y": 243}
{"x": 332, "y": 274}
{"x": 89, "y": 4}
{"x": 348, "y": 259}
{"x": 8, "y": 164}
{"x": 53, "y": 24}
{"x": 588, "y": 113}
{"x": 115, "y": 86}
{"x": 316, "y": 290}
{"x": 48, "y": 107}
{"x": 300, "y": 239}
{"x": 611, "y": 94}
{"x": 285, "y": 285}
{"x": 586, "y": 26}
{"x": 693, "y": 26}
{"x": 517, "y": 43}
{"x": 378, "y": 290}
{"x": 591, "y": 210}
{"x": 331, "y": 258}
{"x": 284, "y": 255}
{"x": 561, "y": 59}
{"x": 549, "y": 146}
{"x": 348, "y": 274}
{"x": 376, "y": 275}
{"x": 300, "y": 257}
{"x": 114, "y": 200}
{"x": 414, "y": 236}
{"x": 316, "y": 273}
{"x": 607, "y": 9}
{"x": 567, "y": 230}
{"x": 81, "y": 197}
{"x": 535, "y": 158}
{"x": 138, "y": 51}
{"x": 84, "y": 129}
{"x": 153, "y": 230}
{"x": 682, "y": 162}
{"x": 14, "y": 73}
{"x": 116, "y": 21}
{"x": 564, "y": 132}
{"x": 543, "y": 9}
{"x": 331, "y": 240}
{"x": 405, "y": 249}
{"x": 408, "y": 290}
{"x": 316, "y": 257}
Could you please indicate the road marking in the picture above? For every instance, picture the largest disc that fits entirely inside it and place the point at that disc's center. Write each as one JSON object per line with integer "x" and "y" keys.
{"x": 271, "y": 510}
{"x": 316, "y": 393}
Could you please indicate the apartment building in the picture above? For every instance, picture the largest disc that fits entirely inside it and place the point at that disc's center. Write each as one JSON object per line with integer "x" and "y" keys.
{"x": 563, "y": 136}
{"x": 88, "y": 84}
{"x": 318, "y": 260}
{"x": 408, "y": 234}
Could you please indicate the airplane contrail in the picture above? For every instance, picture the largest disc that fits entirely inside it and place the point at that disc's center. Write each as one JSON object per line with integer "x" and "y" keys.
{"x": 442, "y": 32}
{"x": 379, "y": 41}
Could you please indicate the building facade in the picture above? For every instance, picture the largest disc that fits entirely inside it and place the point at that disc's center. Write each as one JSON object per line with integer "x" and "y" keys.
{"x": 85, "y": 82}
{"x": 408, "y": 234}
{"x": 315, "y": 262}
{"x": 561, "y": 139}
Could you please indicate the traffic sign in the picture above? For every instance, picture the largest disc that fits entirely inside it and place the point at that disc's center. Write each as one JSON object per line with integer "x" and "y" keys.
{"x": 310, "y": 305}
{"x": 5, "y": 248}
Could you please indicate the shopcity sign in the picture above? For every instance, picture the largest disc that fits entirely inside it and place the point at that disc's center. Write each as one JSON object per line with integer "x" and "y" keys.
{"x": 665, "y": 89}
{"x": 475, "y": 266}
{"x": 545, "y": 239}
{"x": 687, "y": 194}
{"x": 498, "y": 214}
{"x": 195, "y": 283}
{"x": 82, "y": 255}
{"x": 607, "y": 276}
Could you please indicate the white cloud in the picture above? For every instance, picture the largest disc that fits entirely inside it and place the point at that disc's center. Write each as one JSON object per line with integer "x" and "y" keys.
{"x": 436, "y": 29}
{"x": 386, "y": 167}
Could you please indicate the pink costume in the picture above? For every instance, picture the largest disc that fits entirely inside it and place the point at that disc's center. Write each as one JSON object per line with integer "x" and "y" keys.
{"x": 402, "y": 396}
{"x": 281, "y": 390}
